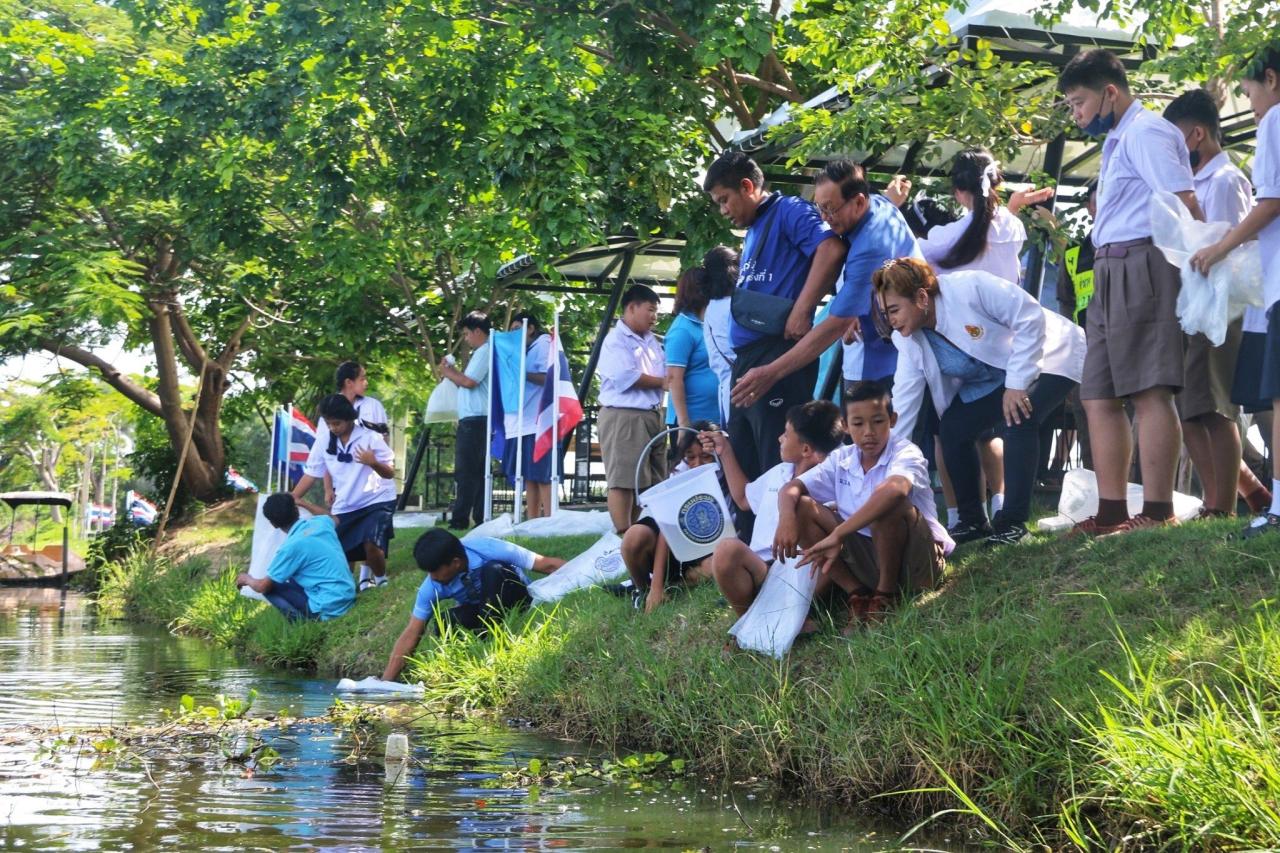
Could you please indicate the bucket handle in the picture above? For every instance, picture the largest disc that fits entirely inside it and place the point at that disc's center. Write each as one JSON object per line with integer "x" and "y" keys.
{"x": 644, "y": 454}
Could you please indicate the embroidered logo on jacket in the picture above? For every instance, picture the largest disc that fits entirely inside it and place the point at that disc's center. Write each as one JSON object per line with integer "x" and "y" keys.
{"x": 975, "y": 332}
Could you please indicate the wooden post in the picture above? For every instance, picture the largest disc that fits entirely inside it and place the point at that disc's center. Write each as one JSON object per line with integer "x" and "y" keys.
{"x": 182, "y": 461}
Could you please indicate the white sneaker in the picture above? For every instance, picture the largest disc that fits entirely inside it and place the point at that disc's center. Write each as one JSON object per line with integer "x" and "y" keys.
{"x": 380, "y": 581}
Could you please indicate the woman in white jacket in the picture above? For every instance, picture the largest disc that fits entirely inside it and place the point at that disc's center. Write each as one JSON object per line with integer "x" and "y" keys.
{"x": 988, "y": 355}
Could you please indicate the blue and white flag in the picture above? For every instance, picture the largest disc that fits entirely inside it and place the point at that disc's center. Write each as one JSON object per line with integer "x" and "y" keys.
{"x": 506, "y": 386}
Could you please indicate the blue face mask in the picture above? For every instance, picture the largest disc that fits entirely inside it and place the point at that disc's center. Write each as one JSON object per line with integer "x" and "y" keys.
{"x": 1100, "y": 125}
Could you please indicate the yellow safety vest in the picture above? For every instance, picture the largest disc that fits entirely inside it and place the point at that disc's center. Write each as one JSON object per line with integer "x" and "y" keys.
{"x": 1081, "y": 282}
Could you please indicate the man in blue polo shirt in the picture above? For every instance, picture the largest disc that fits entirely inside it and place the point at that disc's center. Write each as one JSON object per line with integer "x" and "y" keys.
{"x": 876, "y": 232}
{"x": 791, "y": 255}
{"x": 308, "y": 577}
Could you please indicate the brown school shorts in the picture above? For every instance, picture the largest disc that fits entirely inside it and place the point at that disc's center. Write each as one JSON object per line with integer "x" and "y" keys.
{"x": 1134, "y": 340}
{"x": 923, "y": 561}
{"x": 1210, "y": 372}
{"x": 623, "y": 435}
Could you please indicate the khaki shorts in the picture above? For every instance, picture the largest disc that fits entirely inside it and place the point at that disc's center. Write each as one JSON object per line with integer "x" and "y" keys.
{"x": 623, "y": 435}
{"x": 1210, "y": 372}
{"x": 1134, "y": 340}
{"x": 923, "y": 560}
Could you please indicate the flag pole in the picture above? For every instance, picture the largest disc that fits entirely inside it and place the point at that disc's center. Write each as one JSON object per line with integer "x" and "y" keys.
{"x": 488, "y": 437}
{"x": 524, "y": 340}
{"x": 554, "y": 377}
{"x": 271, "y": 454}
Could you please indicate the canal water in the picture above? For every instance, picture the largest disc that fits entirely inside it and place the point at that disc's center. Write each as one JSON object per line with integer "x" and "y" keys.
{"x": 63, "y": 665}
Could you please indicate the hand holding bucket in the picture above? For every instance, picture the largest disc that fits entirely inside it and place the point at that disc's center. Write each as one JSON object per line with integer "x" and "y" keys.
{"x": 689, "y": 508}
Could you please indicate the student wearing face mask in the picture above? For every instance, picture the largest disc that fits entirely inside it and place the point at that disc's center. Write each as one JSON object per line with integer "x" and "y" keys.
{"x": 1135, "y": 348}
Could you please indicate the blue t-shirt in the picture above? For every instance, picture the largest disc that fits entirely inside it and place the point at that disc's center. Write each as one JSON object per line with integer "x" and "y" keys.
{"x": 686, "y": 347}
{"x": 881, "y": 235}
{"x": 781, "y": 265}
{"x": 312, "y": 557}
{"x": 979, "y": 378}
{"x": 463, "y": 589}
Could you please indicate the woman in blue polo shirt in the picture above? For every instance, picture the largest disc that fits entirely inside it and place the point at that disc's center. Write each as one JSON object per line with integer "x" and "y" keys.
{"x": 691, "y": 382}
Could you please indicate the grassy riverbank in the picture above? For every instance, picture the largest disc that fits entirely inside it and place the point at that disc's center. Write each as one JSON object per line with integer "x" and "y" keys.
{"x": 1065, "y": 691}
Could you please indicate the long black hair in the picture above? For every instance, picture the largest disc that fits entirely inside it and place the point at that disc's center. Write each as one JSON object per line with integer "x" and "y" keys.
{"x": 968, "y": 171}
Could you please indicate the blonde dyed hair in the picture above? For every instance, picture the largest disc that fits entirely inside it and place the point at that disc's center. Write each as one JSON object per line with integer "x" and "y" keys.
{"x": 905, "y": 277}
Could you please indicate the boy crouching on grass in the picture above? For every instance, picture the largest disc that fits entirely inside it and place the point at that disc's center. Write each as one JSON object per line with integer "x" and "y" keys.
{"x": 885, "y": 528}
{"x": 812, "y": 431}
{"x": 484, "y": 577}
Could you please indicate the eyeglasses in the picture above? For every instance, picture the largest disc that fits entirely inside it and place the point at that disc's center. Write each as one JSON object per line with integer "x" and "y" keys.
{"x": 828, "y": 212}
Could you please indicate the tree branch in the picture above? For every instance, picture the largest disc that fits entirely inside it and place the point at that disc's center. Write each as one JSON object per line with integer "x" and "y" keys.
{"x": 135, "y": 393}
{"x": 190, "y": 345}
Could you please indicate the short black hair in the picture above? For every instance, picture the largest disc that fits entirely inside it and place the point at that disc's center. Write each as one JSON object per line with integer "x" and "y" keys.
{"x": 1266, "y": 58}
{"x": 691, "y": 292}
{"x": 437, "y": 548}
{"x": 476, "y": 321}
{"x": 869, "y": 389}
{"x": 688, "y": 439}
{"x": 534, "y": 323}
{"x": 1198, "y": 107}
{"x": 848, "y": 176}
{"x": 926, "y": 213}
{"x": 281, "y": 510}
{"x": 1091, "y": 189}
{"x": 639, "y": 293}
{"x": 1093, "y": 69}
{"x": 721, "y": 264}
{"x": 817, "y": 422}
{"x": 348, "y": 371}
{"x": 337, "y": 407}
{"x": 730, "y": 169}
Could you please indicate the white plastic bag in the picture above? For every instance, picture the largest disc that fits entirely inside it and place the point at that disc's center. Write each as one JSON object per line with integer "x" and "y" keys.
{"x": 566, "y": 522}
{"x": 266, "y": 541}
{"x": 599, "y": 564}
{"x": 494, "y": 528}
{"x": 1206, "y": 305}
{"x": 774, "y": 619}
{"x": 377, "y": 685}
{"x": 403, "y": 520}
{"x": 1079, "y": 500}
{"x": 442, "y": 405}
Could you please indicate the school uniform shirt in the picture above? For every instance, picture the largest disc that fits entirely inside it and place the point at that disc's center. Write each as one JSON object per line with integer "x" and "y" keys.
{"x": 685, "y": 346}
{"x": 536, "y": 360}
{"x": 474, "y": 402}
{"x": 479, "y": 550}
{"x": 840, "y": 480}
{"x": 779, "y": 265}
{"x": 355, "y": 485}
{"x": 1266, "y": 184}
{"x": 624, "y": 357}
{"x": 716, "y": 321}
{"x": 312, "y": 557}
{"x": 1002, "y": 257}
{"x": 762, "y": 496}
{"x": 1142, "y": 155}
{"x": 881, "y": 234}
{"x": 367, "y": 409}
{"x": 995, "y": 322}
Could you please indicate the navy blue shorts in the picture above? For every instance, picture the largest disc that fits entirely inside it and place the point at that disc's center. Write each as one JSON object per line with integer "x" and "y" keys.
{"x": 367, "y": 524}
{"x": 1246, "y": 384}
{"x": 534, "y": 472}
{"x": 1269, "y": 381}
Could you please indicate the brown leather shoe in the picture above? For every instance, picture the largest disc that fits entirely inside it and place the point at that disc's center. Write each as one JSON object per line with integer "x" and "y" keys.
{"x": 1091, "y": 527}
{"x": 1142, "y": 522}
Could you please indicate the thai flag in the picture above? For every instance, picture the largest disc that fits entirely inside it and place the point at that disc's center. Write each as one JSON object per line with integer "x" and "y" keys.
{"x": 100, "y": 514}
{"x": 506, "y": 385}
{"x": 141, "y": 511}
{"x": 239, "y": 481}
{"x": 558, "y": 400}
{"x": 294, "y": 436}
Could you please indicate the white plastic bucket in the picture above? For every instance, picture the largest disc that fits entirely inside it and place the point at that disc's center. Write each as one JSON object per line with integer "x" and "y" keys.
{"x": 690, "y": 511}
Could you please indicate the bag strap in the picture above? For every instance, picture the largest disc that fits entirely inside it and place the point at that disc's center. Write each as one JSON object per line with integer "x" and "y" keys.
{"x": 765, "y": 232}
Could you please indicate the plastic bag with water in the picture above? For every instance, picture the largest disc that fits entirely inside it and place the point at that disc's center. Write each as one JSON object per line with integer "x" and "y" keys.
{"x": 600, "y": 564}
{"x": 774, "y": 619}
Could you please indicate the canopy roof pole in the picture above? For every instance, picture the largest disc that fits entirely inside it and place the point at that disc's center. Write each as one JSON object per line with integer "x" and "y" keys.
{"x": 606, "y": 321}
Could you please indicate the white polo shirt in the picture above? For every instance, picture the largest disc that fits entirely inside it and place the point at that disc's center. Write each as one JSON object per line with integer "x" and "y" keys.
{"x": 839, "y": 479}
{"x": 1266, "y": 184}
{"x": 367, "y": 409}
{"x": 623, "y": 358}
{"x": 1143, "y": 154}
{"x": 762, "y": 495}
{"x": 355, "y": 485}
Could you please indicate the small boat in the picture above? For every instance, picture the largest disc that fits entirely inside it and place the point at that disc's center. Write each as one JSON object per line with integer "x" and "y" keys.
{"x": 27, "y": 565}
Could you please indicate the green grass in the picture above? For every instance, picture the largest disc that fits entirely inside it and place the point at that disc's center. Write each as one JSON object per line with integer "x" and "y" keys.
{"x": 1056, "y": 692}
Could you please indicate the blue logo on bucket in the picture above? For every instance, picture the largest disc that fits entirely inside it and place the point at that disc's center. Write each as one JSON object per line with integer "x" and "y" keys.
{"x": 700, "y": 519}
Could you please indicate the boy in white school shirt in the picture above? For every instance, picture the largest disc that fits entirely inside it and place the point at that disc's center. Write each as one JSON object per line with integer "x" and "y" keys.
{"x": 1261, "y": 83}
{"x": 1208, "y": 413}
{"x": 361, "y": 466}
{"x": 885, "y": 526}
{"x": 813, "y": 431}
{"x": 1135, "y": 348}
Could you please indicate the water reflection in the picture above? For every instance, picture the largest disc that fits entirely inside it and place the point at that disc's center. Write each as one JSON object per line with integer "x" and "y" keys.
{"x": 63, "y": 664}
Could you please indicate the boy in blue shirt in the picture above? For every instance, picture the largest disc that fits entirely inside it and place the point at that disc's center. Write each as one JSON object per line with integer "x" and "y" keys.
{"x": 308, "y": 577}
{"x": 484, "y": 577}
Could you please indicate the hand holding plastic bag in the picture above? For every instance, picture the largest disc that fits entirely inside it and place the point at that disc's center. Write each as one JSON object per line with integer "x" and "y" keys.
{"x": 1205, "y": 305}
{"x": 442, "y": 405}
